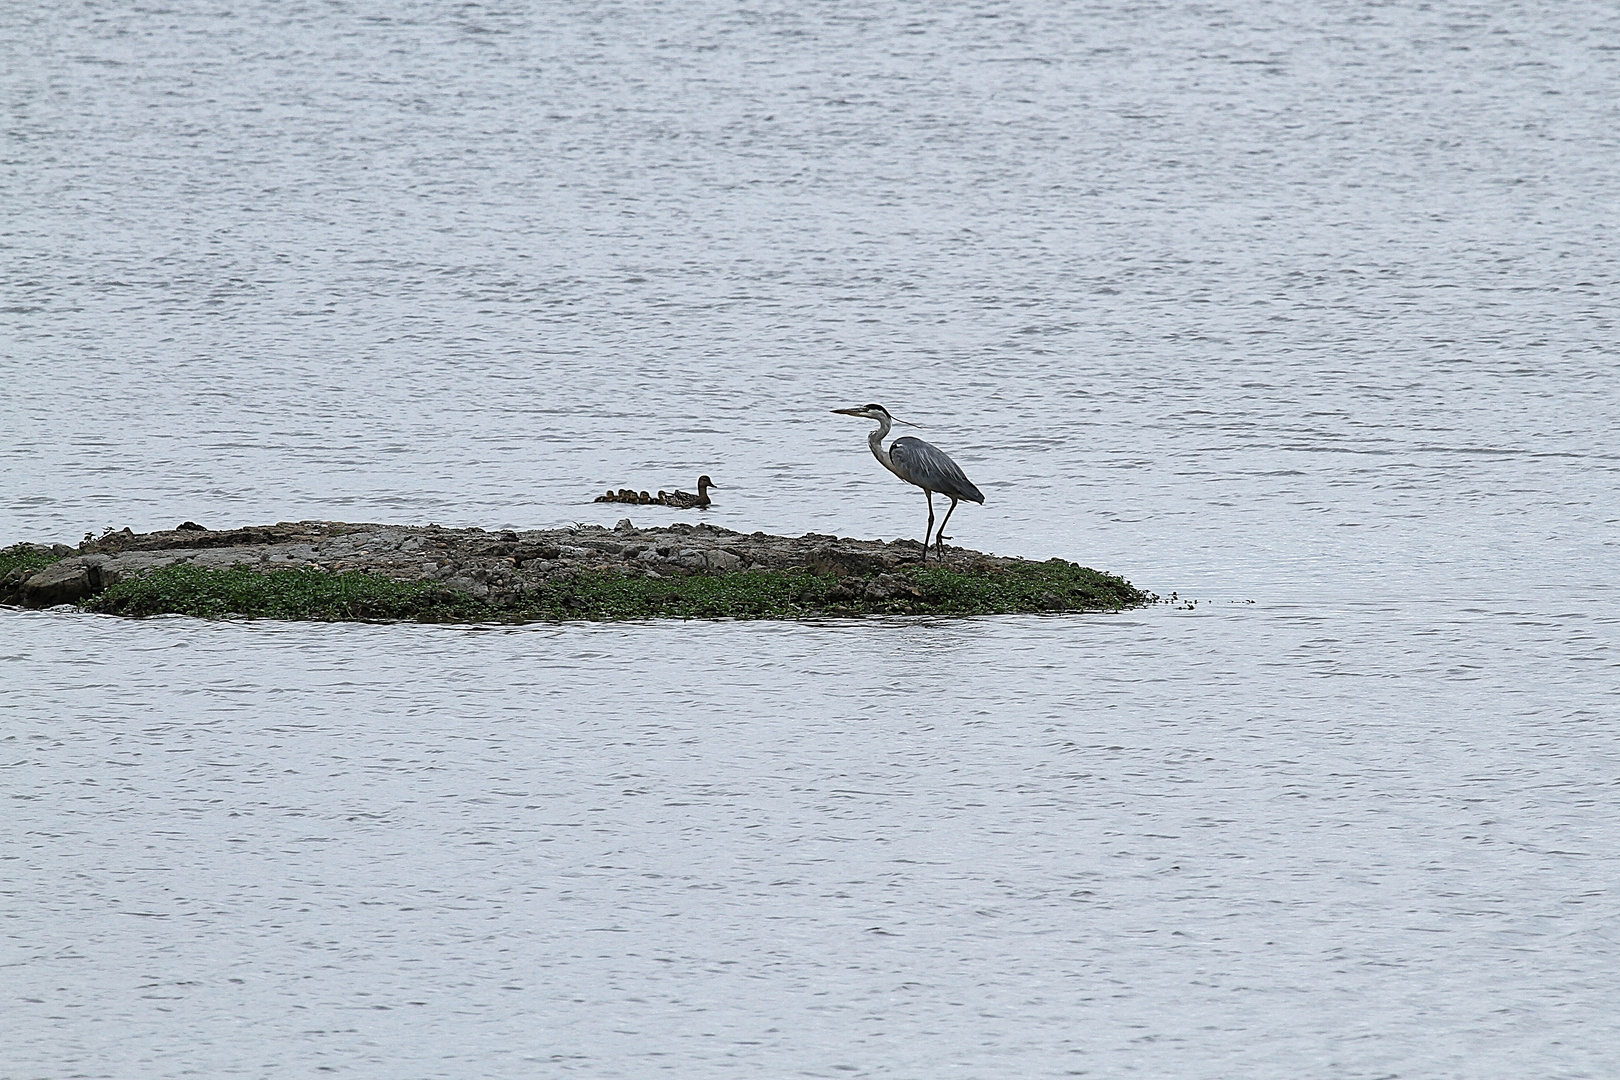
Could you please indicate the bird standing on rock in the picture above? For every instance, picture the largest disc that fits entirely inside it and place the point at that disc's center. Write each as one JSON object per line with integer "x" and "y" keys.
{"x": 922, "y": 464}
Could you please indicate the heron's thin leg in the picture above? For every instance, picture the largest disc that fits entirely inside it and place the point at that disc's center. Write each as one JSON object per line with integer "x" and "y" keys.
{"x": 930, "y": 530}
{"x": 940, "y": 537}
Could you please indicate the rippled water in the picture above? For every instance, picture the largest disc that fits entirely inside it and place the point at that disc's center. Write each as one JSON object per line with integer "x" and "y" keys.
{"x": 1303, "y": 312}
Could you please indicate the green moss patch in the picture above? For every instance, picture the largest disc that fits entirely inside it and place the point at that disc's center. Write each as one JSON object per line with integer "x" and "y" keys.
{"x": 278, "y": 594}
{"x": 1054, "y": 586}
{"x": 25, "y": 557}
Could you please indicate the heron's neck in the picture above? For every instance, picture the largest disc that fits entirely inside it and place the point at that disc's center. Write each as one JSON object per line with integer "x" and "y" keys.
{"x": 875, "y": 441}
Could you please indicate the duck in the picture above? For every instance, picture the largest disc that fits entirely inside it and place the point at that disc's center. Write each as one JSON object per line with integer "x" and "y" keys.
{"x": 681, "y": 500}
{"x": 685, "y": 500}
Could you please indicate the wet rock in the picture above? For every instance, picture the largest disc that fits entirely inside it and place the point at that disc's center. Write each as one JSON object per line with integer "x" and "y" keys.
{"x": 842, "y": 561}
{"x": 66, "y": 582}
{"x": 11, "y": 584}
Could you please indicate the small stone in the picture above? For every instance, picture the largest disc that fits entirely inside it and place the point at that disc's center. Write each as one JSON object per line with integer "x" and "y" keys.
{"x": 623, "y": 526}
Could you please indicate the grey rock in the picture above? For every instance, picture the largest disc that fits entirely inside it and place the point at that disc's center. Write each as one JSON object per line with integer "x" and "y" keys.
{"x": 888, "y": 587}
{"x": 722, "y": 560}
{"x": 692, "y": 559}
{"x": 841, "y": 561}
{"x": 462, "y": 583}
{"x": 66, "y": 582}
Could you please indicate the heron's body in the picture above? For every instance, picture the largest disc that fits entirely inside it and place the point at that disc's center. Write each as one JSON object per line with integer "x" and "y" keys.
{"x": 920, "y": 463}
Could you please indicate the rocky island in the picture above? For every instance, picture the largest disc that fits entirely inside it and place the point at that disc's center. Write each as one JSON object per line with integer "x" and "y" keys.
{"x": 329, "y": 570}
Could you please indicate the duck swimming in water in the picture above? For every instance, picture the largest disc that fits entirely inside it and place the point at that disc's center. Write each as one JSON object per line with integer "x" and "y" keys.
{"x": 681, "y": 500}
{"x": 625, "y": 495}
{"x": 685, "y": 500}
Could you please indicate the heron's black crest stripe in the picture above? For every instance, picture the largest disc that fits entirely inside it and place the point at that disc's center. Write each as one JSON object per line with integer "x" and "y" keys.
{"x": 879, "y": 408}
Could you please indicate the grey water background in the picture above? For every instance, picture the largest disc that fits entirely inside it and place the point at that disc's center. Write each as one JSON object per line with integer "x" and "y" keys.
{"x": 1303, "y": 312}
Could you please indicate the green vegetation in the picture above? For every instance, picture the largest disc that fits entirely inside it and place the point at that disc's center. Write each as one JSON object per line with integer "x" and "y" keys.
{"x": 283, "y": 594}
{"x": 317, "y": 595}
{"x": 24, "y": 557}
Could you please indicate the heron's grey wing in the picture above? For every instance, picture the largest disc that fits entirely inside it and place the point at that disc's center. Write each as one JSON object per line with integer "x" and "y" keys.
{"x": 927, "y": 466}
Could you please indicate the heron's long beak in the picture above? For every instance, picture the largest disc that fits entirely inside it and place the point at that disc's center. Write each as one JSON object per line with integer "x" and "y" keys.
{"x": 849, "y": 412}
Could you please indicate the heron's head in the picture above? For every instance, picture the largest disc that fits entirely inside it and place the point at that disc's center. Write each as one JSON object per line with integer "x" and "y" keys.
{"x": 872, "y": 412}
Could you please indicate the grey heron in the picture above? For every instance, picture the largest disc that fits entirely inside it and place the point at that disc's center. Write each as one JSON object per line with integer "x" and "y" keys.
{"x": 922, "y": 464}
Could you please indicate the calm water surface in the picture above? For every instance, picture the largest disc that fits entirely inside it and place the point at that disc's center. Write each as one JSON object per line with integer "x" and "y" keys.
{"x": 1305, "y": 315}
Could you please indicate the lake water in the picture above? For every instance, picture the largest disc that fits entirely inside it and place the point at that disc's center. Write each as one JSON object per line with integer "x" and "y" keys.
{"x": 1304, "y": 313}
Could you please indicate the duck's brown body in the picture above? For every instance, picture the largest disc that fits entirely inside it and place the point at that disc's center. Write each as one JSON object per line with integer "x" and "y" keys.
{"x": 680, "y": 500}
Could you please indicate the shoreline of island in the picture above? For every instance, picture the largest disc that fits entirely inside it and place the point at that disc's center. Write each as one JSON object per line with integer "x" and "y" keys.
{"x": 340, "y": 571}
